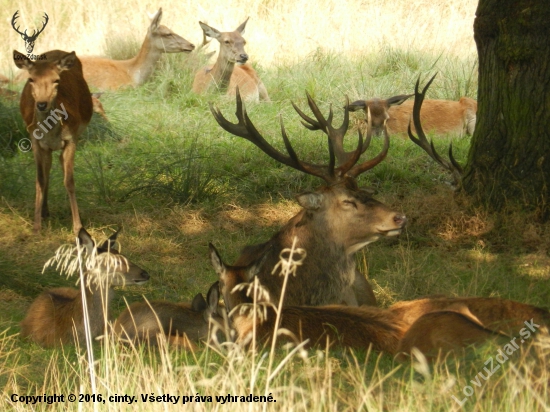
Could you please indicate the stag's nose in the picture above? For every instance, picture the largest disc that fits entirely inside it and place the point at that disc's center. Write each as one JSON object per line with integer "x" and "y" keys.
{"x": 244, "y": 57}
{"x": 41, "y": 106}
{"x": 400, "y": 220}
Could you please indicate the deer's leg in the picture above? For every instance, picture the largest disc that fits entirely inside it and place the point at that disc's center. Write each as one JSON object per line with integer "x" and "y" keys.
{"x": 43, "y": 161}
{"x": 67, "y": 162}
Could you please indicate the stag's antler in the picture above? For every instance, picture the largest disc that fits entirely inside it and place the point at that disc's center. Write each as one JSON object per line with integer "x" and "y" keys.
{"x": 452, "y": 165}
{"x": 29, "y": 40}
{"x": 331, "y": 174}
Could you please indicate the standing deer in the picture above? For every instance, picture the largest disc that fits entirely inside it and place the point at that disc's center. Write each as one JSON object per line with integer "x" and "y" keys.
{"x": 354, "y": 327}
{"x": 29, "y": 40}
{"x": 56, "y": 313}
{"x": 230, "y": 70}
{"x": 56, "y": 106}
{"x": 336, "y": 221}
{"x": 108, "y": 74}
{"x": 438, "y": 116}
{"x": 182, "y": 323}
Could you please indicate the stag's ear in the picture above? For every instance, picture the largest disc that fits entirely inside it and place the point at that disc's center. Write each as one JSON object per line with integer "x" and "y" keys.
{"x": 240, "y": 29}
{"x": 357, "y": 105}
{"x": 396, "y": 100}
{"x": 199, "y": 304}
{"x": 66, "y": 62}
{"x": 84, "y": 239}
{"x": 210, "y": 31}
{"x": 21, "y": 61}
{"x": 155, "y": 20}
{"x": 217, "y": 262}
{"x": 111, "y": 243}
{"x": 310, "y": 200}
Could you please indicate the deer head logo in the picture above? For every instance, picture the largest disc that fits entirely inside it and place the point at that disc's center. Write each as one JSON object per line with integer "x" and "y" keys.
{"x": 29, "y": 40}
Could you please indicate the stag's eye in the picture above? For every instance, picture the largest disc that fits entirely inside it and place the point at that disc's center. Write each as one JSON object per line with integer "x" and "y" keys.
{"x": 226, "y": 42}
{"x": 31, "y": 80}
{"x": 351, "y": 203}
{"x": 56, "y": 82}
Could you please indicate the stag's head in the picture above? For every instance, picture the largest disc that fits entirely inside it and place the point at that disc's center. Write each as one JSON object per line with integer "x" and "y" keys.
{"x": 231, "y": 43}
{"x": 29, "y": 40}
{"x": 350, "y": 215}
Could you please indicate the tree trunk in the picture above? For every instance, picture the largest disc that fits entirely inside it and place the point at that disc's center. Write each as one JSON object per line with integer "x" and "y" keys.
{"x": 509, "y": 158}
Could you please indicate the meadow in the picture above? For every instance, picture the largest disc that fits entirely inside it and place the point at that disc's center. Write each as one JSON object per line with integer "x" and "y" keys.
{"x": 164, "y": 171}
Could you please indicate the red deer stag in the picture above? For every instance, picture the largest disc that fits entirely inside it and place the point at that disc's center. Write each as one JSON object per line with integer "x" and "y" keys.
{"x": 438, "y": 116}
{"x": 56, "y": 106}
{"x": 57, "y": 313}
{"x": 183, "y": 324}
{"x": 336, "y": 221}
{"x": 108, "y": 74}
{"x": 354, "y": 327}
{"x": 230, "y": 70}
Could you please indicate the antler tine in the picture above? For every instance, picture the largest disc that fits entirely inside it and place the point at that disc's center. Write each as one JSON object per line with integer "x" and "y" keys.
{"x": 246, "y": 129}
{"x": 369, "y": 164}
{"x": 452, "y": 165}
{"x": 13, "y": 22}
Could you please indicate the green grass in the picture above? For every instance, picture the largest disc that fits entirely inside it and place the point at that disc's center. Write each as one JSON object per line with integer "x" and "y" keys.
{"x": 174, "y": 180}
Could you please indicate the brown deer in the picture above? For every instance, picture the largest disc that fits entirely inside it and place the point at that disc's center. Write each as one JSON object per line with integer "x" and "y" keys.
{"x": 438, "y": 333}
{"x": 353, "y": 327}
{"x": 56, "y": 106}
{"x": 183, "y": 324}
{"x": 57, "y": 313}
{"x": 497, "y": 314}
{"x": 230, "y": 70}
{"x": 108, "y": 74}
{"x": 438, "y": 116}
{"x": 336, "y": 221}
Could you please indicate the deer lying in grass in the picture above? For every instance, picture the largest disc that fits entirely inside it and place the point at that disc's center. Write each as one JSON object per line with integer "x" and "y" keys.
{"x": 497, "y": 314}
{"x": 438, "y": 116}
{"x": 438, "y": 333}
{"x": 181, "y": 323}
{"x": 56, "y": 106}
{"x": 230, "y": 70}
{"x": 107, "y": 74}
{"x": 336, "y": 221}
{"x": 57, "y": 313}
{"x": 353, "y": 327}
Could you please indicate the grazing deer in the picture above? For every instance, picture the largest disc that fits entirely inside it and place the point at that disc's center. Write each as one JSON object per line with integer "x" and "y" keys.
{"x": 181, "y": 323}
{"x": 354, "y": 327}
{"x": 438, "y": 333}
{"x": 108, "y": 74}
{"x": 336, "y": 221}
{"x": 56, "y": 106}
{"x": 230, "y": 70}
{"x": 497, "y": 314}
{"x": 56, "y": 313}
{"x": 438, "y": 116}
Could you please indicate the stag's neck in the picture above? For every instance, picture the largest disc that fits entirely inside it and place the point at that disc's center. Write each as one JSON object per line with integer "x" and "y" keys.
{"x": 141, "y": 67}
{"x": 221, "y": 72}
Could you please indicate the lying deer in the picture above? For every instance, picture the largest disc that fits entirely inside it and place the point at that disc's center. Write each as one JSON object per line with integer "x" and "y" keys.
{"x": 108, "y": 74}
{"x": 230, "y": 70}
{"x": 497, "y": 314}
{"x": 438, "y": 116}
{"x": 336, "y": 221}
{"x": 58, "y": 313}
{"x": 181, "y": 323}
{"x": 56, "y": 106}
{"x": 341, "y": 325}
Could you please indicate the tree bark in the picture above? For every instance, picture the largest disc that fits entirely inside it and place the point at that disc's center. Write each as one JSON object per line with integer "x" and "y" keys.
{"x": 509, "y": 158}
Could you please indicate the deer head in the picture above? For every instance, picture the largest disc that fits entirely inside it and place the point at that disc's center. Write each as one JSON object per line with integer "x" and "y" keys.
{"x": 29, "y": 40}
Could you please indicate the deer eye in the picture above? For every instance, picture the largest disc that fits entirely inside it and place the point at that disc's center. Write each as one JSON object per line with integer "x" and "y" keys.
{"x": 56, "y": 81}
{"x": 350, "y": 202}
{"x": 31, "y": 80}
{"x": 226, "y": 42}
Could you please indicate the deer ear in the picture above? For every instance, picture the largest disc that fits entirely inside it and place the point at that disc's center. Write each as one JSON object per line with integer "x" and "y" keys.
{"x": 397, "y": 100}
{"x": 213, "y": 297}
{"x": 357, "y": 105}
{"x": 66, "y": 62}
{"x": 240, "y": 29}
{"x": 199, "y": 304}
{"x": 155, "y": 20}
{"x": 310, "y": 200}
{"x": 217, "y": 262}
{"x": 209, "y": 31}
{"x": 22, "y": 61}
{"x": 84, "y": 239}
{"x": 111, "y": 243}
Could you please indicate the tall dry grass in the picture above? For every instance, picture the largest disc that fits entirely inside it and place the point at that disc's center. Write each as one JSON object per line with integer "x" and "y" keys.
{"x": 278, "y": 31}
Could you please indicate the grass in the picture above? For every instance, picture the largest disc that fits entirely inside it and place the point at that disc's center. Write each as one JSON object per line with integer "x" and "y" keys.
{"x": 164, "y": 171}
